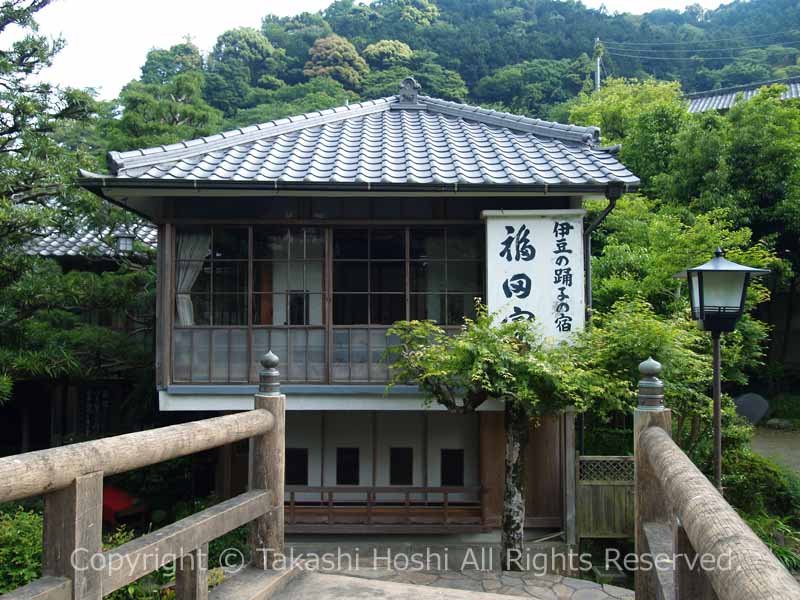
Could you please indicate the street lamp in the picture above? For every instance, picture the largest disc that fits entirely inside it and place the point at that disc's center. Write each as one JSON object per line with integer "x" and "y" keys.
{"x": 717, "y": 291}
{"x": 124, "y": 241}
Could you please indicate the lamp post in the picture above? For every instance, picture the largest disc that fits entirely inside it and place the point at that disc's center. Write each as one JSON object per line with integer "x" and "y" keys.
{"x": 717, "y": 291}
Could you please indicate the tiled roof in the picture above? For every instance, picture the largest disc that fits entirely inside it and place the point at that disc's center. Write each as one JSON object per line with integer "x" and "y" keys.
{"x": 85, "y": 242}
{"x": 725, "y": 98}
{"x": 403, "y": 139}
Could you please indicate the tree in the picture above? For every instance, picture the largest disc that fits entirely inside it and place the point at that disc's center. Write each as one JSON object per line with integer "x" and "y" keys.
{"x": 335, "y": 57}
{"x": 43, "y": 330}
{"x": 616, "y": 107}
{"x": 162, "y": 65}
{"x": 530, "y": 87}
{"x": 155, "y": 114}
{"x": 317, "y": 94}
{"x": 241, "y": 63}
{"x": 387, "y": 53}
{"x": 507, "y": 361}
{"x": 295, "y": 35}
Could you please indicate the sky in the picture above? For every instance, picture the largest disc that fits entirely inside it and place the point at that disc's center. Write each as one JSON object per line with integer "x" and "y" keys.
{"x": 107, "y": 40}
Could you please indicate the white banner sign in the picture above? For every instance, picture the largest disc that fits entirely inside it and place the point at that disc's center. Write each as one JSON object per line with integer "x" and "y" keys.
{"x": 535, "y": 270}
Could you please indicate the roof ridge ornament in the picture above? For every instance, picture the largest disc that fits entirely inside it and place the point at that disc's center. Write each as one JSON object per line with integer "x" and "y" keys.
{"x": 409, "y": 91}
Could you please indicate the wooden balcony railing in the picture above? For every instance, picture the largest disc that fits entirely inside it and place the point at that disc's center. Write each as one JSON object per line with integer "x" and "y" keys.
{"x": 384, "y": 509}
{"x": 74, "y": 565}
{"x": 710, "y": 551}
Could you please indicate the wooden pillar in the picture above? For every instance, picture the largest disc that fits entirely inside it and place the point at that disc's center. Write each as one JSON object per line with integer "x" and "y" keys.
{"x": 650, "y": 505}
{"x": 268, "y": 467}
{"x": 73, "y": 531}
{"x": 570, "y": 527}
{"x": 492, "y": 466}
{"x": 191, "y": 575}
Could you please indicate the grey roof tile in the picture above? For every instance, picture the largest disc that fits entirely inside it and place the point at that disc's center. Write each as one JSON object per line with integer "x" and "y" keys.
{"x": 85, "y": 242}
{"x": 725, "y": 98}
{"x": 388, "y": 140}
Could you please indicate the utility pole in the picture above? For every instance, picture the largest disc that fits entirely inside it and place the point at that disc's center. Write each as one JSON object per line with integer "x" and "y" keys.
{"x": 597, "y": 57}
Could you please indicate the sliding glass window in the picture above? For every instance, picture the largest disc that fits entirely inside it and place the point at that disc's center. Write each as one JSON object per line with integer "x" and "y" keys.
{"x": 322, "y": 298}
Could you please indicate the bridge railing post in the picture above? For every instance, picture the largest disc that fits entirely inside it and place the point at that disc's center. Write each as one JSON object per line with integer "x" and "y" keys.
{"x": 267, "y": 456}
{"x": 73, "y": 535}
{"x": 650, "y": 505}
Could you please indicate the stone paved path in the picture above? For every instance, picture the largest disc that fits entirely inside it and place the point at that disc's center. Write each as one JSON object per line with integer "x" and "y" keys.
{"x": 525, "y": 585}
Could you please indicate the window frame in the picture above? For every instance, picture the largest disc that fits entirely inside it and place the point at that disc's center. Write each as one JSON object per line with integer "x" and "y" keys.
{"x": 329, "y": 371}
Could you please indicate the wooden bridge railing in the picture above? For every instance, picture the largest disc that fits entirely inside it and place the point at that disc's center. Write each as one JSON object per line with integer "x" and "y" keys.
{"x": 700, "y": 547}
{"x": 434, "y": 508}
{"x": 74, "y": 565}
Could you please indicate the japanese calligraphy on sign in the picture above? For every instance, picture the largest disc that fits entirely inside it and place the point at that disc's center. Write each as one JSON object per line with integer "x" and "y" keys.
{"x": 535, "y": 270}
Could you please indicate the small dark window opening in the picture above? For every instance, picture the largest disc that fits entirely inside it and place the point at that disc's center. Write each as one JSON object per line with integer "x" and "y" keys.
{"x": 347, "y": 467}
{"x": 452, "y": 467}
{"x": 401, "y": 466}
{"x": 297, "y": 466}
{"x": 298, "y": 307}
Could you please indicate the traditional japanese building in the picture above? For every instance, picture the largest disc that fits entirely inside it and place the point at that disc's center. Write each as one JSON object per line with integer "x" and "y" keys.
{"x": 311, "y": 235}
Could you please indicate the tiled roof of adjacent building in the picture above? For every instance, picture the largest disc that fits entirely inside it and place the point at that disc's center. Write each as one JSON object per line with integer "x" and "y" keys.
{"x": 86, "y": 242}
{"x": 402, "y": 139}
{"x": 725, "y": 98}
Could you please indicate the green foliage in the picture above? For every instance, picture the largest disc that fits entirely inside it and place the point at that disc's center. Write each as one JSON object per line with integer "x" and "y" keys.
{"x": 162, "y": 65}
{"x": 20, "y": 548}
{"x": 318, "y": 94}
{"x": 756, "y": 485}
{"x": 44, "y": 327}
{"x": 509, "y": 361}
{"x": 602, "y": 440}
{"x": 618, "y": 105}
{"x": 779, "y": 536}
{"x": 295, "y": 35}
{"x": 155, "y": 114}
{"x": 530, "y": 87}
{"x": 643, "y": 244}
{"x": 785, "y": 406}
{"x": 241, "y": 65}
{"x": 21, "y": 555}
{"x": 333, "y": 56}
{"x": 387, "y": 53}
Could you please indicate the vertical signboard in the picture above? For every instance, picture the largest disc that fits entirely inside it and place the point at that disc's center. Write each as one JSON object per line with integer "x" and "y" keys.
{"x": 535, "y": 270}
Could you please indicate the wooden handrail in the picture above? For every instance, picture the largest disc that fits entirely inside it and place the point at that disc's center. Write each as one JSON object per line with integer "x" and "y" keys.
{"x": 71, "y": 480}
{"x": 50, "y": 470}
{"x": 748, "y": 570}
{"x": 383, "y": 489}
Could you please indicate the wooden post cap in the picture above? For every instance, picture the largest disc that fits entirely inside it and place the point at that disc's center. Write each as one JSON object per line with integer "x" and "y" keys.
{"x": 269, "y": 376}
{"x": 651, "y": 388}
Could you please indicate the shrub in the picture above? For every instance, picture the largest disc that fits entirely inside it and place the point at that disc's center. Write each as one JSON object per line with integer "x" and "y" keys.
{"x": 785, "y": 406}
{"x": 756, "y": 485}
{"x": 20, "y": 548}
{"x": 779, "y": 536}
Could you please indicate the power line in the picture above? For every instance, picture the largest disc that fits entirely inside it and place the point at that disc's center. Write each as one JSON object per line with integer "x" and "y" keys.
{"x": 679, "y": 58}
{"x": 714, "y": 41}
{"x": 699, "y": 50}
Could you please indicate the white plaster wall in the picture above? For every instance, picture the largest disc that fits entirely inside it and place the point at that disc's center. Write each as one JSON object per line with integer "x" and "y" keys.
{"x": 447, "y": 430}
{"x": 348, "y": 430}
{"x": 404, "y": 430}
{"x": 304, "y": 430}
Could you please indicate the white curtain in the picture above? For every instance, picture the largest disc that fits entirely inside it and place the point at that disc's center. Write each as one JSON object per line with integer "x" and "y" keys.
{"x": 191, "y": 246}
